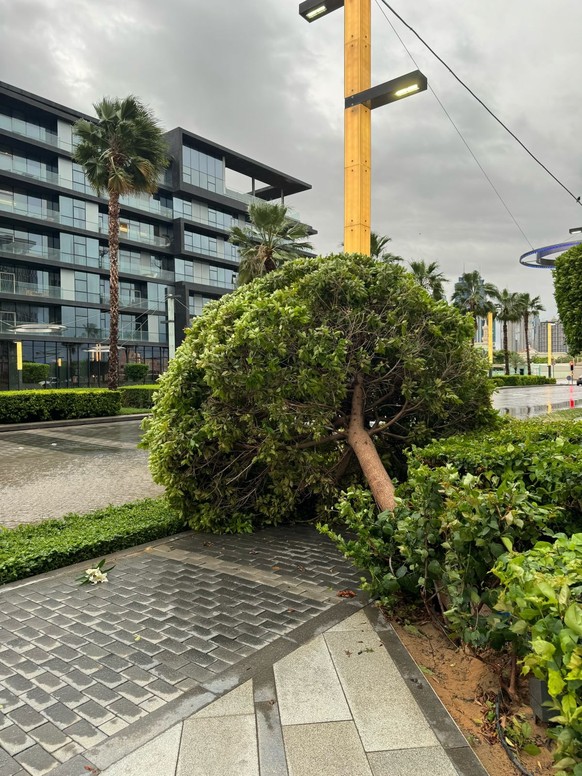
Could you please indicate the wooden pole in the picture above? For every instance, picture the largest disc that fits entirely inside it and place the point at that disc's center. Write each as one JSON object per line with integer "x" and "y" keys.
{"x": 357, "y": 128}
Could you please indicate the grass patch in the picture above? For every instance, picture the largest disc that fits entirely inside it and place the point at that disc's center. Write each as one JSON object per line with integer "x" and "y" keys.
{"x": 134, "y": 410}
{"x": 573, "y": 414}
{"x": 33, "y": 549}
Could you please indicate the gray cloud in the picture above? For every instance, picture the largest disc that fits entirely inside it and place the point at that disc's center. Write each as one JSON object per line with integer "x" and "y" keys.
{"x": 254, "y": 76}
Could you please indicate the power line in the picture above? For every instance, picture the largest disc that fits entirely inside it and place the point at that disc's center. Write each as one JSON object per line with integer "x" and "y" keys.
{"x": 458, "y": 131}
{"x": 480, "y": 101}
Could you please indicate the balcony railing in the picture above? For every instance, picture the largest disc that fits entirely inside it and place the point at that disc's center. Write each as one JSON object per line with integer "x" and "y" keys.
{"x": 11, "y": 286}
{"x": 87, "y": 332}
{"x": 249, "y": 200}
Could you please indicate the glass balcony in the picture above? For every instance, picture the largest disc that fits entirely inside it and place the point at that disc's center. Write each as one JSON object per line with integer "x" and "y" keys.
{"x": 9, "y": 285}
{"x": 87, "y": 332}
{"x": 248, "y": 199}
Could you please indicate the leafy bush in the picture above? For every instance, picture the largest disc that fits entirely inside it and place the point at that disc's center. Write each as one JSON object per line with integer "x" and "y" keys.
{"x": 141, "y": 396}
{"x": 252, "y": 415}
{"x": 34, "y": 373}
{"x": 542, "y": 591}
{"x": 502, "y": 380}
{"x": 135, "y": 372}
{"x": 464, "y": 499}
{"x": 33, "y": 549}
{"x": 64, "y": 404}
{"x": 568, "y": 292}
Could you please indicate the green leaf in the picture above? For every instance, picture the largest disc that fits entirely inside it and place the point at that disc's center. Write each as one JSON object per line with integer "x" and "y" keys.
{"x": 573, "y": 618}
{"x": 531, "y": 749}
{"x": 508, "y": 543}
{"x": 555, "y": 683}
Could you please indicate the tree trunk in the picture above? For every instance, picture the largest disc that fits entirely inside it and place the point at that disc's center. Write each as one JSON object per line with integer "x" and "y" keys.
{"x": 526, "y": 327}
{"x": 505, "y": 347}
{"x": 365, "y": 451}
{"x": 113, "y": 372}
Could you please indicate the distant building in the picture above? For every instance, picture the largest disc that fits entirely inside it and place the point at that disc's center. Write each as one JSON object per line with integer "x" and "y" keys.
{"x": 54, "y": 267}
{"x": 559, "y": 345}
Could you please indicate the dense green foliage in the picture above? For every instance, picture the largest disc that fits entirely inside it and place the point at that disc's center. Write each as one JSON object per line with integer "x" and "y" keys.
{"x": 34, "y": 373}
{"x": 141, "y": 396}
{"x": 251, "y": 416}
{"x": 511, "y": 380}
{"x": 568, "y": 293}
{"x": 63, "y": 404}
{"x": 542, "y": 591}
{"x": 33, "y": 549}
{"x": 464, "y": 497}
{"x": 136, "y": 372}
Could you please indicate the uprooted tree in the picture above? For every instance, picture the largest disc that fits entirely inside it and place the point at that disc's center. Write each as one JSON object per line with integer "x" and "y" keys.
{"x": 304, "y": 380}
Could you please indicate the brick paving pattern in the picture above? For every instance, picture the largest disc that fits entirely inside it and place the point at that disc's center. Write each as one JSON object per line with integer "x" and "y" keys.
{"x": 79, "y": 664}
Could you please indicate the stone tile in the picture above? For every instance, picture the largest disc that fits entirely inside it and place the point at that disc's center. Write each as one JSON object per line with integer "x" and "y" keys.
{"x": 308, "y": 687}
{"x": 69, "y": 696}
{"x": 94, "y": 713}
{"x": 49, "y": 737}
{"x": 9, "y": 701}
{"x": 101, "y": 694}
{"x": 108, "y": 677}
{"x": 14, "y": 740}
{"x": 61, "y": 716}
{"x": 48, "y": 682}
{"x": 114, "y": 725}
{"x": 325, "y": 749}
{"x": 127, "y": 710}
{"x": 68, "y": 751}
{"x": 79, "y": 680}
{"x": 18, "y": 684}
{"x": 154, "y": 703}
{"x": 403, "y": 762}
{"x": 9, "y": 766}
{"x": 383, "y": 708}
{"x": 156, "y": 758}
{"x": 356, "y": 622}
{"x": 36, "y": 760}
{"x": 85, "y": 734}
{"x": 218, "y": 746}
{"x": 164, "y": 690}
{"x": 26, "y": 717}
{"x": 138, "y": 675}
{"x": 239, "y": 701}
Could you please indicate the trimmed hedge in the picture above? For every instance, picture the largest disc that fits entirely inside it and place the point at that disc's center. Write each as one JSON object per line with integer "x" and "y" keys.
{"x": 523, "y": 380}
{"x": 52, "y": 544}
{"x": 60, "y": 404}
{"x": 137, "y": 395}
{"x": 34, "y": 373}
{"x": 135, "y": 372}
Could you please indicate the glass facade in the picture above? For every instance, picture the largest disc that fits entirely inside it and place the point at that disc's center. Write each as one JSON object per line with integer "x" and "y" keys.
{"x": 203, "y": 170}
{"x": 21, "y": 122}
{"x": 205, "y": 274}
{"x": 197, "y": 302}
{"x": 30, "y": 166}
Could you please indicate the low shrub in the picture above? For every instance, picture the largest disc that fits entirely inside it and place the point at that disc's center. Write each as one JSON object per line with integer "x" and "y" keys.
{"x": 523, "y": 380}
{"x": 541, "y": 590}
{"x": 136, "y": 372}
{"x": 33, "y": 549}
{"x": 34, "y": 373}
{"x": 137, "y": 395}
{"x": 63, "y": 404}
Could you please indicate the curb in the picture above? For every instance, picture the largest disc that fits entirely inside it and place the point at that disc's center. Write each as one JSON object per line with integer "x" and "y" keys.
{"x": 74, "y": 422}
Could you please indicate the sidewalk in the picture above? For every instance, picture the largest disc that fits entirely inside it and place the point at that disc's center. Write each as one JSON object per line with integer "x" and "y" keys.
{"x": 214, "y": 656}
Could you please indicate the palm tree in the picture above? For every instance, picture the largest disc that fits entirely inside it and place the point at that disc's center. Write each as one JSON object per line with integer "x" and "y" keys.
{"x": 123, "y": 152}
{"x": 270, "y": 239}
{"x": 530, "y": 306}
{"x": 472, "y": 295}
{"x": 377, "y": 245}
{"x": 428, "y": 276}
{"x": 509, "y": 307}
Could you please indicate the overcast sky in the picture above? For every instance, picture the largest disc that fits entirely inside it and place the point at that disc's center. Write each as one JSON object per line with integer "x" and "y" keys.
{"x": 254, "y": 76}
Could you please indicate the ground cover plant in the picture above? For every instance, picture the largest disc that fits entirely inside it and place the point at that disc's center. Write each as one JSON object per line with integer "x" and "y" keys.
{"x": 137, "y": 395}
{"x": 512, "y": 380}
{"x": 323, "y": 370}
{"x": 32, "y": 549}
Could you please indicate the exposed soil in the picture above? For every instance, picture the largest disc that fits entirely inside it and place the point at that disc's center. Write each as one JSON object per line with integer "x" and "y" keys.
{"x": 467, "y": 687}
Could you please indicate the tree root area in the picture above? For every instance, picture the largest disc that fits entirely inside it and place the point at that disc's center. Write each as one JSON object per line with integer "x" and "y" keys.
{"x": 467, "y": 687}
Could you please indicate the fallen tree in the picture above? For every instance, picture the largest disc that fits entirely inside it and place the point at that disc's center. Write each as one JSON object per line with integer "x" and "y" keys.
{"x": 303, "y": 380}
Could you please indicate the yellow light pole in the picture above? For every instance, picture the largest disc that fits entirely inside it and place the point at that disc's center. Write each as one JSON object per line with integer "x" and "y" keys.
{"x": 490, "y": 338}
{"x": 357, "y": 127}
{"x": 360, "y": 100}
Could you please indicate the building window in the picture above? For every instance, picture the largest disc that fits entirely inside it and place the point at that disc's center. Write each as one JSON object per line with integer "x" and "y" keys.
{"x": 203, "y": 170}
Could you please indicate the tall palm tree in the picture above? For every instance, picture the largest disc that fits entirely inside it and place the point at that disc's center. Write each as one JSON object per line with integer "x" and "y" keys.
{"x": 270, "y": 239}
{"x": 377, "y": 245}
{"x": 123, "y": 152}
{"x": 428, "y": 276}
{"x": 530, "y": 306}
{"x": 473, "y": 295}
{"x": 509, "y": 307}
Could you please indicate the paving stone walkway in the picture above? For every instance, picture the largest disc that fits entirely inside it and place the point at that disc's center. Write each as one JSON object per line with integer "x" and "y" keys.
{"x": 88, "y": 675}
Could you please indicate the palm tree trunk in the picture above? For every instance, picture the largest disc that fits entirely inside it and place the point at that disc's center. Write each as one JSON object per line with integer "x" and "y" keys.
{"x": 526, "y": 327}
{"x": 365, "y": 451}
{"x": 505, "y": 347}
{"x": 113, "y": 372}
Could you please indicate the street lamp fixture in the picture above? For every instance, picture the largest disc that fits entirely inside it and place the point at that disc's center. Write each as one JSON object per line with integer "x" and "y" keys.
{"x": 390, "y": 91}
{"x": 575, "y": 230}
{"x": 360, "y": 99}
{"x": 315, "y": 9}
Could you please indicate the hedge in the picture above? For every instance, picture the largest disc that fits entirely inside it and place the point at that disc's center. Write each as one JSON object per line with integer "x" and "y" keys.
{"x": 61, "y": 404}
{"x": 138, "y": 395}
{"x": 52, "y": 544}
{"x": 135, "y": 372}
{"x": 523, "y": 380}
{"x": 34, "y": 373}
